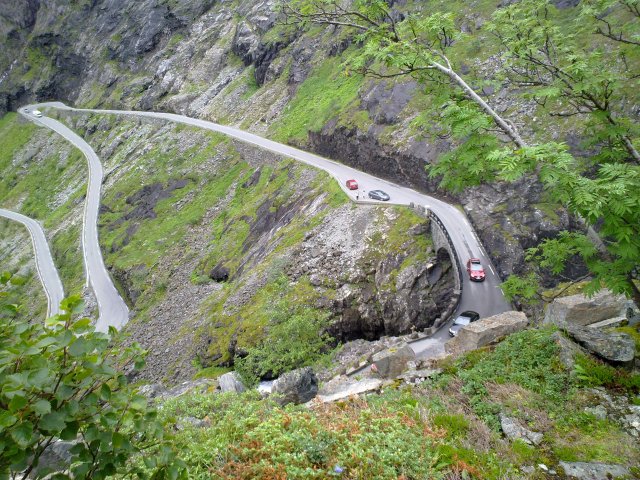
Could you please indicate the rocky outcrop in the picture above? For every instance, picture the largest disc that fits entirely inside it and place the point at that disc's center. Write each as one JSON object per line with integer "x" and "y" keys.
{"x": 160, "y": 392}
{"x": 231, "y": 382}
{"x": 594, "y": 471}
{"x": 615, "y": 348}
{"x": 616, "y": 408}
{"x": 219, "y": 273}
{"x": 392, "y": 362}
{"x": 487, "y": 331}
{"x": 297, "y": 386}
{"x": 567, "y": 350}
{"x": 583, "y": 310}
{"x": 514, "y": 431}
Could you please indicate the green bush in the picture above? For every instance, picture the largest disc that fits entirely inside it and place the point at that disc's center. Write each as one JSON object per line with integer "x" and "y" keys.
{"x": 62, "y": 380}
{"x": 249, "y": 438}
{"x": 296, "y": 338}
{"x": 528, "y": 359}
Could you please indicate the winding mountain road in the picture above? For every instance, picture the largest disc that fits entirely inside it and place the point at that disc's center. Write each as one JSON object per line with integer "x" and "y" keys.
{"x": 112, "y": 309}
{"x": 485, "y": 298}
{"x": 44, "y": 261}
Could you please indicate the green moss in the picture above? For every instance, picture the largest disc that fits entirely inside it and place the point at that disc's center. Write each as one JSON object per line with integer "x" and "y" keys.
{"x": 314, "y": 104}
{"x": 211, "y": 372}
{"x": 633, "y": 332}
{"x": 550, "y": 210}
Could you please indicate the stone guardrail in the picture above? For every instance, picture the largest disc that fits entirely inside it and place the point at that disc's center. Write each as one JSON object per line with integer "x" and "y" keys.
{"x": 455, "y": 261}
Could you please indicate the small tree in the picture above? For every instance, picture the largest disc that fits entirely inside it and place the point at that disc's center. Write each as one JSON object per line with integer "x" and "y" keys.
{"x": 61, "y": 380}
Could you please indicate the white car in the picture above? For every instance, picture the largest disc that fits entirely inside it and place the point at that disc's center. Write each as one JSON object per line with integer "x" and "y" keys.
{"x": 37, "y": 113}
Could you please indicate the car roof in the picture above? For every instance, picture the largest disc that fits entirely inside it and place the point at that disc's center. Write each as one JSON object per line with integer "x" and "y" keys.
{"x": 469, "y": 313}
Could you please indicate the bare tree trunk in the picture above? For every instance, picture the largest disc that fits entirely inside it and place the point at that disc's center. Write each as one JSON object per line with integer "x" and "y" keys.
{"x": 632, "y": 150}
{"x": 507, "y": 128}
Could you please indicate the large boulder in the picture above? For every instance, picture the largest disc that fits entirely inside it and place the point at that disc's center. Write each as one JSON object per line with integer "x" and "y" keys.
{"x": 486, "y": 331}
{"x": 231, "y": 382}
{"x": 297, "y": 386}
{"x": 582, "y": 310}
{"x": 342, "y": 387}
{"x": 615, "y": 348}
{"x": 392, "y": 362}
{"x": 594, "y": 471}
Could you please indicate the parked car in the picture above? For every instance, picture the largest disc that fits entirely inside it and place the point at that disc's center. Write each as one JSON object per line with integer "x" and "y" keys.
{"x": 475, "y": 270}
{"x": 352, "y": 184}
{"x": 465, "y": 318}
{"x": 378, "y": 195}
{"x": 37, "y": 113}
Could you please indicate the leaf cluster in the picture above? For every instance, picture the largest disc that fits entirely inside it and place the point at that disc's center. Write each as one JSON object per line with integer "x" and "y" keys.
{"x": 62, "y": 381}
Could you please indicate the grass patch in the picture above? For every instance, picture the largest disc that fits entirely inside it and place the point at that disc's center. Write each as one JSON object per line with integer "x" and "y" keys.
{"x": 66, "y": 250}
{"x": 593, "y": 373}
{"x": 528, "y": 359}
{"x": 314, "y": 104}
{"x": 381, "y": 437}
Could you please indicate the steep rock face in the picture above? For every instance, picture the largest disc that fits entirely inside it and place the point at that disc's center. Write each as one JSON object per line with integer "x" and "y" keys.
{"x": 363, "y": 151}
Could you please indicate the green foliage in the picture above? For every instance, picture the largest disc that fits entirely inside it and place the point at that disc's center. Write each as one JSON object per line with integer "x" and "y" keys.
{"x": 456, "y": 425}
{"x": 592, "y": 373}
{"x": 377, "y": 438}
{"x": 314, "y": 104}
{"x": 295, "y": 338}
{"x": 470, "y": 162}
{"x": 62, "y": 380}
{"x": 528, "y": 359}
{"x": 521, "y": 287}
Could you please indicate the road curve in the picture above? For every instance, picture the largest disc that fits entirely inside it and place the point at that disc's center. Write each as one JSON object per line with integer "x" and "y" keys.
{"x": 44, "y": 261}
{"x": 486, "y": 297}
{"x": 112, "y": 309}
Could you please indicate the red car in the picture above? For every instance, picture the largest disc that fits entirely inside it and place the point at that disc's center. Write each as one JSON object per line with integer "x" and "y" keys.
{"x": 475, "y": 270}
{"x": 352, "y": 185}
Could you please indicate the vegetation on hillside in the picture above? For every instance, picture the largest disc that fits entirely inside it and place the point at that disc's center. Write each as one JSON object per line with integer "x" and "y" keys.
{"x": 584, "y": 68}
{"x": 25, "y": 161}
{"x": 447, "y": 427}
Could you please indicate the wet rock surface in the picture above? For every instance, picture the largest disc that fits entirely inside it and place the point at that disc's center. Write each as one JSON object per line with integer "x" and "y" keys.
{"x": 593, "y": 471}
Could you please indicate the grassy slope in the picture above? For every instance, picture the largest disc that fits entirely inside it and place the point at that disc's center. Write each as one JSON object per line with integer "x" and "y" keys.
{"x": 447, "y": 425}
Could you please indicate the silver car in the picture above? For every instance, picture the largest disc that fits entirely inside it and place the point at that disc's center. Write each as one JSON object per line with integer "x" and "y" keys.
{"x": 464, "y": 319}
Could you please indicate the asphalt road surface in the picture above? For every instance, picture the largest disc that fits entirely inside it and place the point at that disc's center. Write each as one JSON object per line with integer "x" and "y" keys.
{"x": 112, "y": 309}
{"x": 484, "y": 297}
{"x": 44, "y": 261}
